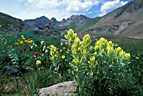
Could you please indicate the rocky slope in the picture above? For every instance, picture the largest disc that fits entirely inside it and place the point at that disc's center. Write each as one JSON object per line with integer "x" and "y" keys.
{"x": 42, "y": 26}
{"x": 10, "y": 24}
{"x": 126, "y": 20}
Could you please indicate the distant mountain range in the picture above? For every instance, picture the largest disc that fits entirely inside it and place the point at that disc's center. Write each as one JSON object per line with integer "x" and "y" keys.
{"x": 126, "y": 21}
{"x": 78, "y": 23}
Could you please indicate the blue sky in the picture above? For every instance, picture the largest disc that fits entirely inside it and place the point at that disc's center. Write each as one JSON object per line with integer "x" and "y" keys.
{"x": 30, "y": 9}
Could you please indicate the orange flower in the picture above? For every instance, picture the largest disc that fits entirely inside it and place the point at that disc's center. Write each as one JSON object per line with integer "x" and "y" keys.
{"x": 21, "y": 42}
{"x": 31, "y": 41}
{"x": 22, "y": 36}
{"x": 17, "y": 43}
{"x": 25, "y": 40}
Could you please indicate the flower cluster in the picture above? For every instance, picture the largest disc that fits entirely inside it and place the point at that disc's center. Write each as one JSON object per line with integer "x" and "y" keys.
{"x": 89, "y": 61}
{"x": 24, "y": 40}
{"x": 70, "y": 36}
{"x": 54, "y": 55}
{"x": 105, "y": 48}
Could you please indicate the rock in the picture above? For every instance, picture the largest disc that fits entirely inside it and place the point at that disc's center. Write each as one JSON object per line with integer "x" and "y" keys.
{"x": 61, "y": 89}
{"x": 30, "y": 70}
{"x": 10, "y": 70}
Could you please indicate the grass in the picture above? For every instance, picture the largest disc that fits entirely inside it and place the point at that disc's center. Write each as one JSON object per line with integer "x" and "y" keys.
{"x": 87, "y": 24}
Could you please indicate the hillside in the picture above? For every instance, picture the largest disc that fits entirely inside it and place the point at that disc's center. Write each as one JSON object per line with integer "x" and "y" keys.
{"x": 126, "y": 21}
{"x": 10, "y": 24}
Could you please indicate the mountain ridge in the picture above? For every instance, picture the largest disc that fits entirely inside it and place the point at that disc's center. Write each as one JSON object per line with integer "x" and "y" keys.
{"x": 76, "y": 22}
{"x": 125, "y": 18}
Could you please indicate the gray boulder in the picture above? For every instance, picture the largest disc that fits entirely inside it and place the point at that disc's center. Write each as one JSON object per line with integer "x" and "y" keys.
{"x": 61, "y": 89}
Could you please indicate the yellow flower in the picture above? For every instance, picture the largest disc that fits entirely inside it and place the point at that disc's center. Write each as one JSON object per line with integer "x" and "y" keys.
{"x": 55, "y": 55}
{"x": 127, "y": 56}
{"x": 84, "y": 52}
{"x": 21, "y": 42}
{"x": 31, "y": 41}
{"x": 48, "y": 47}
{"x": 43, "y": 49}
{"x": 110, "y": 42}
{"x": 63, "y": 56}
{"x": 96, "y": 47}
{"x": 95, "y": 53}
{"x": 17, "y": 43}
{"x": 65, "y": 36}
{"x": 92, "y": 59}
{"x": 73, "y": 52}
{"x": 64, "y": 47}
{"x": 112, "y": 62}
{"x": 89, "y": 62}
{"x": 118, "y": 49}
{"x": 102, "y": 50}
{"x": 22, "y": 36}
{"x": 42, "y": 54}
{"x": 77, "y": 61}
{"x": 70, "y": 39}
{"x": 91, "y": 48}
{"x": 60, "y": 50}
{"x": 25, "y": 40}
{"x": 38, "y": 62}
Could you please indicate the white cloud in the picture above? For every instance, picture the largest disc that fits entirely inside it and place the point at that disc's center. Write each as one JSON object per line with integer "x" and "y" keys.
{"x": 77, "y": 6}
{"x": 111, "y": 5}
{"x": 30, "y": 1}
{"x": 59, "y": 8}
{"x": 65, "y": 8}
{"x": 49, "y": 3}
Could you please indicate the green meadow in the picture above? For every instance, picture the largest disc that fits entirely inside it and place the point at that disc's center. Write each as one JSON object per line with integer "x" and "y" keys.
{"x": 103, "y": 66}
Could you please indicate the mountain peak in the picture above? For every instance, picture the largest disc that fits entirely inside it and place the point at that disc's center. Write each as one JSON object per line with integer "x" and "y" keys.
{"x": 42, "y": 17}
{"x": 132, "y": 11}
{"x": 78, "y": 16}
{"x": 40, "y": 21}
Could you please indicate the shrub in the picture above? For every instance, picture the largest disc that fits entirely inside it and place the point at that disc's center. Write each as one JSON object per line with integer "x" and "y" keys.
{"x": 98, "y": 70}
